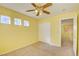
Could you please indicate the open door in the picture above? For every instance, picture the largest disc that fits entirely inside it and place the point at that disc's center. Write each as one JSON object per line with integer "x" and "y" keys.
{"x": 69, "y": 33}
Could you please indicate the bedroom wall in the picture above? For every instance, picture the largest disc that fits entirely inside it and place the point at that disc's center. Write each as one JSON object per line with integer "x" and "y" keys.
{"x": 55, "y": 24}
{"x": 13, "y": 37}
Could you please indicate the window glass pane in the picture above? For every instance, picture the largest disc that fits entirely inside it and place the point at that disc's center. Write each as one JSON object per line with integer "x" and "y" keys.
{"x": 26, "y": 23}
{"x": 5, "y": 20}
{"x": 17, "y": 21}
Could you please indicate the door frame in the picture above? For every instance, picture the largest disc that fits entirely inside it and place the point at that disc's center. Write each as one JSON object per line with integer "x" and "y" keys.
{"x": 74, "y": 32}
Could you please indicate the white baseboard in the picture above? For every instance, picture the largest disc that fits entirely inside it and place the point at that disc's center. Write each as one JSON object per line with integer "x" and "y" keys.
{"x": 17, "y": 48}
{"x": 52, "y": 44}
{"x": 28, "y": 45}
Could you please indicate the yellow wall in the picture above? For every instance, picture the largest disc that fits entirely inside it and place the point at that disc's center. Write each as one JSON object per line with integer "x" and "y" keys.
{"x": 54, "y": 21}
{"x": 55, "y": 25}
{"x": 13, "y": 37}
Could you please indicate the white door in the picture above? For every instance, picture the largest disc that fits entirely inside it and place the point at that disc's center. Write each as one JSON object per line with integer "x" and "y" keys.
{"x": 45, "y": 32}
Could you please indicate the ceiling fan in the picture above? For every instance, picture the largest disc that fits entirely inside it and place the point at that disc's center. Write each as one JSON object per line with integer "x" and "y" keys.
{"x": 39, "y": 9}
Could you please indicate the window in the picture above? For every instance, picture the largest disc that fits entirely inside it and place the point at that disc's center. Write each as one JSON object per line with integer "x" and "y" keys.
{"x": 5, "y": 20}
{"x": 26, "y": 23}
{"x": 17, "y": 21}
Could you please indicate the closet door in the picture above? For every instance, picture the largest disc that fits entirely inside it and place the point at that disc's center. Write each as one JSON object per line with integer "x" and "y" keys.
{"x": 45, "y": 32}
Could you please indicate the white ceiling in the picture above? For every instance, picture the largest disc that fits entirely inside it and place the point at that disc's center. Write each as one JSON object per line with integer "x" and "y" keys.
{"x": 55, "y": 9}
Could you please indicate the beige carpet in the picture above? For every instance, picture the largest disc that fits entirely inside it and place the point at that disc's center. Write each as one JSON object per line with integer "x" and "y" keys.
{"x": 42, "y": 49}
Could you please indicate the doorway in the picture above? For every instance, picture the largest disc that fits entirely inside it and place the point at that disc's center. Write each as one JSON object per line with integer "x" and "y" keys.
{"x": 69, "y": 34}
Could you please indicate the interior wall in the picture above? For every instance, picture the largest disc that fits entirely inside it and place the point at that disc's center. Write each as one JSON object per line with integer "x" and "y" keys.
{"x": 13, "y": 37}
{"x": 19, "y": 36}
{"x": 55, "y": 24}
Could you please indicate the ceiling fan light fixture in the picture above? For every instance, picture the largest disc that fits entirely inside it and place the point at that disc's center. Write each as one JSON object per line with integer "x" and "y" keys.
{"x": 36, "y": 11}
{"x": 41, "y": 9}
{"x": 40, "y": 13}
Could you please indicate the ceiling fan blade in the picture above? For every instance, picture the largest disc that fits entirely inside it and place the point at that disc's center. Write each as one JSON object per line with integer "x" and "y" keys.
{"x": 34, "y": 5}
{"x": 46, "y": 12}
{"x": 30, "y": 10}
{"x": 47, "y": 5}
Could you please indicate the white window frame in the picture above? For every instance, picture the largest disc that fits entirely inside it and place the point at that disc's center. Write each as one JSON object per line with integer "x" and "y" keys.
{"x": 7, "y": 21}
{"x": 26, "y": 23}
{"x": 17, "y": 21}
